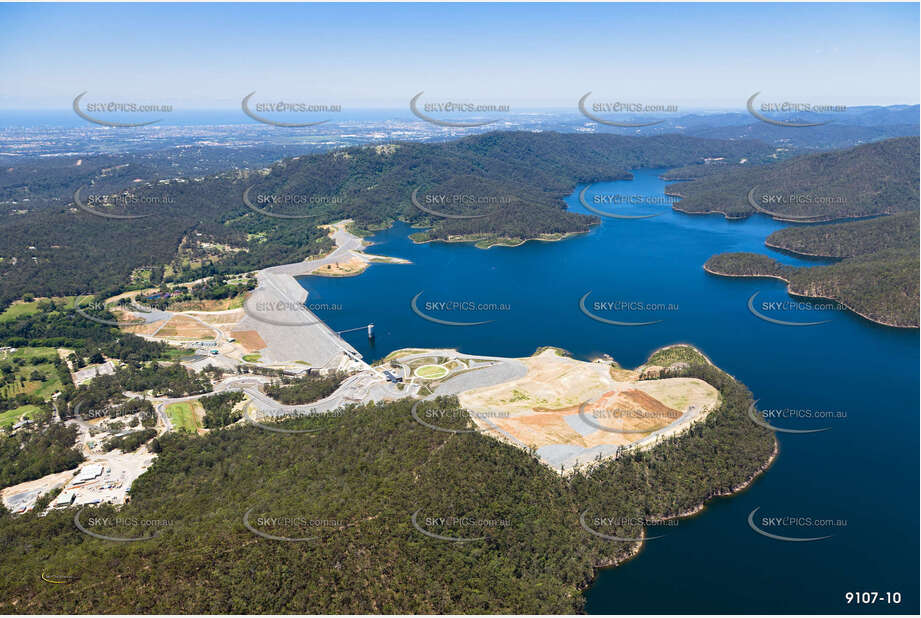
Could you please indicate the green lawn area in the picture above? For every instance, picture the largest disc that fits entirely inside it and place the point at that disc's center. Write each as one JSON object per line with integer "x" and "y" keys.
{"x": 141, "y": 276}
{"x": 251, "y": 358}
{"x": 175, "y": 353}
{"x": 51, "y": 383}
{"x": 431, "y": 372}
{"x": 19, "y": 308}
{"x": 183, "y": 415}
{"x": 10, "y": 417}
{"x": 48, "y": 353}
{"x": 397, "y": 353}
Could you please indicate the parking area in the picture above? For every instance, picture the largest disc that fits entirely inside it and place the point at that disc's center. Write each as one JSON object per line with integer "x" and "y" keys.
{"x": 106, "y": 478}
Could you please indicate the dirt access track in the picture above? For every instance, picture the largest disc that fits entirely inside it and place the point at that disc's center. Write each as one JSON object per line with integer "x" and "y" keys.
{"x": 572, "y": 411}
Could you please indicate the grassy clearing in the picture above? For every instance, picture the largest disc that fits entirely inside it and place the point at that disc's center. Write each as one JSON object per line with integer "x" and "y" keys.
{"x": 252, "y": 358}
{"x": 184, "y": 416}
{"x": 141, "y": 276}
{"x": 431, "y": 372}
{"x": 349, "y": 268}
{"x": 20, "y": 380}
{"x": 47, "y": 353}
{"x": 554, "y": 349}
{"x": 21, "y": 308}
{"x": 488, "y": 243}
{"x": 10, "y": 417}
{"x": 175, "y": 353}
{"x": 18, "y": 309}
{"x": 398, "y": 353}
{"x": 220, "y": 304}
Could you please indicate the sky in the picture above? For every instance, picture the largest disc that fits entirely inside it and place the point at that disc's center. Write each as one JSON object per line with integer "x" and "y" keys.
{"x": 208, "y": 56}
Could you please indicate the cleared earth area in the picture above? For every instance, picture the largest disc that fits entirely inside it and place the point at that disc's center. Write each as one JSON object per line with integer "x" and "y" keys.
{"x": 181, "y": 326}
{"x": 573, "y": 412}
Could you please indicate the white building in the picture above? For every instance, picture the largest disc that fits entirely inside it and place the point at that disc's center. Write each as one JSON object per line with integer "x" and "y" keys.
{"x": 65, "y": 499}
{"x": 88, "y": 473}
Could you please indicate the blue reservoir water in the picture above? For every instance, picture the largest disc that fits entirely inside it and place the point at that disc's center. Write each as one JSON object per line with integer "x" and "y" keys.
{"x": 863, "y": 472}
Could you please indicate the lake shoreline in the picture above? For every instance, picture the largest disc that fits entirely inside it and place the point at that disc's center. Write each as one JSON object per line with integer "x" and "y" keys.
{"x": 809, "y": 296}
{"x": 637, "y": 547}
{"x": 478, "y": 242}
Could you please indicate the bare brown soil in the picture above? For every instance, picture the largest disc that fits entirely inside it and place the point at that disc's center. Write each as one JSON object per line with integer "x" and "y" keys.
{"x": 184, "y": 326}
{"x": 249, "y": 339}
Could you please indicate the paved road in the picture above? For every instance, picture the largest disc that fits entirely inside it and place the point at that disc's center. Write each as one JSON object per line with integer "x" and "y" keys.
{"x": 362, "y": 387}
{"x": 500, "y": 372}
{"x": 492, "y": 370}
{"x": 359, "y": 388}
{"x": 346, "y": 244}
{"x": 161, "y": 404}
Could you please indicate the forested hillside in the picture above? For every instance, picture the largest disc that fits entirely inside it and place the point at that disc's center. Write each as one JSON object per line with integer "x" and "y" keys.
{"x": 355, "y": 486}
{"x": 838, "y": 133}
{"x": 879, "y": 277}
{"x": 873, "y": 179}
{"x": 35, "y": 182}
{"x": 66, "y": 250}
{"x": 840, "y": 240}
{"x": 880, "y": 286}
{"x": 37, "y": 451}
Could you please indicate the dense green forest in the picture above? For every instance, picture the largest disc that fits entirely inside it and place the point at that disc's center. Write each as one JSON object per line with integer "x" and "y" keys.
{"x": 355, "y": 486}
{"x": 306, "y": 389}
{"x": 37, "y": 451}
{"x": 879, "y": 276}
{"x": 219, "y": 410}
{"x": 685, "y": 173}
{"x": 65, "y": 250}
{"x": 881, "y": 286}
{"x": 33, "y": 183}
{"x": 747, "y": 265}
{"x": 79, "y": 253}
{"x": 129, "y": 443}
{"x": 872, "y": 179}
{"x": 677, "y": 354}
{"x": 849, "y": 239}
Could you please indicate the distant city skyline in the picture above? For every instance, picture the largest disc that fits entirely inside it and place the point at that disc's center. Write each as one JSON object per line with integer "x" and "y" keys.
{"x": 525, "y": 56}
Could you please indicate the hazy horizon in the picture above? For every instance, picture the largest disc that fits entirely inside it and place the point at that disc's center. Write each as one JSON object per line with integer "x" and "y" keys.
{"x": 526, "y": 56}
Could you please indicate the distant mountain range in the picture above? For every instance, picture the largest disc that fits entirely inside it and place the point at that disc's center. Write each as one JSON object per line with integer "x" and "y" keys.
{"x": 854, "y": 126}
